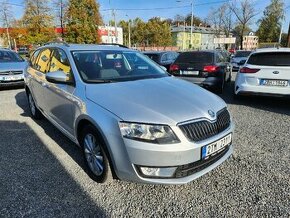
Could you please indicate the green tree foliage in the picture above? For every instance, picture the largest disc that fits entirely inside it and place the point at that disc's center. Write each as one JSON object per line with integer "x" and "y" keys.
{"x": 155, "y": 32}
{"x": 38, "y": 21}
{"x": 270, "y": 23}
{"x": 83, "y": 18}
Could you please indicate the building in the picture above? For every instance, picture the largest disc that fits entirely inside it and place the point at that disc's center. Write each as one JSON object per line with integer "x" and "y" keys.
{"x": 202, "y": 38}
{"x": 250, "y": 42}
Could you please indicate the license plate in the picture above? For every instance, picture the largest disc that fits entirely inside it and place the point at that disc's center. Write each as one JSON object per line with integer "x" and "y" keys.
{"x": 267, "y": 82}
{"x": 216, "y": 146}
{"x": 185, "y": 72}
{"x": 11, "y": 78}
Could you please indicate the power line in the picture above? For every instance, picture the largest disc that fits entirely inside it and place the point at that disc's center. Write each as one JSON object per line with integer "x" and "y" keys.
{"x": 165, "y": 8}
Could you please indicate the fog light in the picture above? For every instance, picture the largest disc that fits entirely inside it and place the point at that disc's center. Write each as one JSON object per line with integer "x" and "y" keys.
{"x": 158, "y": 172}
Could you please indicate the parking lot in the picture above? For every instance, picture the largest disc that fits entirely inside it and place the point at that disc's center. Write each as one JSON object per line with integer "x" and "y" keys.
{"x": 41, "y": 171}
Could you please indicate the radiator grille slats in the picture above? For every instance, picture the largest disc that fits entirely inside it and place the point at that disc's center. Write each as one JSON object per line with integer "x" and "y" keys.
{"x": 201, "y": 130}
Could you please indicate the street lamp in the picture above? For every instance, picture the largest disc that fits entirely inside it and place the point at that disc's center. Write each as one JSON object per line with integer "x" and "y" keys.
{"x": 191, "y": 22}
{"x": 129, "y": 31}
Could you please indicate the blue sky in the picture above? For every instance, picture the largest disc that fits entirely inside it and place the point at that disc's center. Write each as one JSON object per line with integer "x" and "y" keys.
{"x": 201, "y": 8}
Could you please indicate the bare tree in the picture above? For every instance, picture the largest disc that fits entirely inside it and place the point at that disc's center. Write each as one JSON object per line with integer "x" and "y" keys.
{"x": 6, "y": 18}
{"x": 60, "y": 7}
{"x": 244, "y": 13}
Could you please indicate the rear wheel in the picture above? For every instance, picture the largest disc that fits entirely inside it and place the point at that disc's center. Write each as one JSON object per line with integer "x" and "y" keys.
{"x": 95, "y": 157}
{"x": 35, "y": 113}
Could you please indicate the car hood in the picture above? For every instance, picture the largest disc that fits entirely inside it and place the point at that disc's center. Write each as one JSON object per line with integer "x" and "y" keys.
{"x": 162, "y": 101}
{"x": 13, "y": 66}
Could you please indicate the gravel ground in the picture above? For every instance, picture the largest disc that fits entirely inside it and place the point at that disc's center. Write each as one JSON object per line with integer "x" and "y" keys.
{"x": 41, "y": 171}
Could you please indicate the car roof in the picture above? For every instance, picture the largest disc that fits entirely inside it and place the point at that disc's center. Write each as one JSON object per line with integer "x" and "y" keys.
{"x": 155, "y": 52}
{"x": 81, "y": 47}
{"x": 262, "y": 50}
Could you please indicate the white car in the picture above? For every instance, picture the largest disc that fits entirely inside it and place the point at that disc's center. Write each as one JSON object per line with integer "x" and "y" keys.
{"x": 266, "y": 72}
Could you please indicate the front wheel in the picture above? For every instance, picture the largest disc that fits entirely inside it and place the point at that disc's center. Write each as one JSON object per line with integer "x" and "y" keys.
{"x": 96, "y": 160}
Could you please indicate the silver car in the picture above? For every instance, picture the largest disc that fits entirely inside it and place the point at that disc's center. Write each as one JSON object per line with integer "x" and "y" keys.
{"x": 132, "y": 120}
{"x": 12, "y": 67}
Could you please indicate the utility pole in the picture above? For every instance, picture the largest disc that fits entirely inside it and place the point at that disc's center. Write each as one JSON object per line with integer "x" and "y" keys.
{"x": 288, "y": 44}
{"x": 7, "y": 24}
{"x": 191, "y": 23}
{"x": 116, "y": 30}
{"x": 61, "y": 18}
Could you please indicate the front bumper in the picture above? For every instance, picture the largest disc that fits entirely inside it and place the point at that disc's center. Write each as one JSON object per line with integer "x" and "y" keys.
{"x": 186, "y": 156}
{"x": 11, "y": 83}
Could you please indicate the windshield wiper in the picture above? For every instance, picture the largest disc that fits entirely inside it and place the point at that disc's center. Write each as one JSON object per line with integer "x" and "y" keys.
{"x": 100, "y": 81}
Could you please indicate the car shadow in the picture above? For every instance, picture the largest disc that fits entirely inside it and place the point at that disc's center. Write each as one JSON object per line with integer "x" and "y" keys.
{"x": 65, "y": 143}
{"x": 34, "y": 183}
{"x": 279, "y": 105}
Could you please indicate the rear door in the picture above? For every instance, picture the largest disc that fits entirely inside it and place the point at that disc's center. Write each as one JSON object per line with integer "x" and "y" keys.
{"x": 37, "y": 71}
{"x": 274, "y": 68}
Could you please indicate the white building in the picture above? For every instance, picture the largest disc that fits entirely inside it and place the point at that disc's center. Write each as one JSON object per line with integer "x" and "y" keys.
{"x": 108, "y": 34}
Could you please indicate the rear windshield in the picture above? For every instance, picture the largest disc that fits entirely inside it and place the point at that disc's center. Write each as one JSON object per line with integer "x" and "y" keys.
{"x": 242, "y": 54}
{"x": 270, "y": 59}
{"x": 154, "y": 57}
{"x": 195, "y": 57}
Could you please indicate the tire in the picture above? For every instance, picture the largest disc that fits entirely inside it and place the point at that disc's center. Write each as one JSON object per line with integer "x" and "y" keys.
{"x": 95, "y": 157}
{"x": 35, "y": 113}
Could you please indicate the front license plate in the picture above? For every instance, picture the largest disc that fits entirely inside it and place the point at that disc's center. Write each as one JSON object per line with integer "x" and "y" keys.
{"x": 190, "y": 72}
{"x": 11, "y": 78}
{"x": 216, "y": 146}
{"x": 267, "y": 82}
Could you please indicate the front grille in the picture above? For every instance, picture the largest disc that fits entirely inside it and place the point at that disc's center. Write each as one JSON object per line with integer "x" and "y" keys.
{"x": 189, "y": 169}
{"x": 11, "y": 72}
{"x": 201, "y": 130}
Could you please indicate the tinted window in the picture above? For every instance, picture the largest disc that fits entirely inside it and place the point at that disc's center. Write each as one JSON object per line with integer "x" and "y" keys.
{"x": 195, "y": 57}
{"x": 165, "y": 57}
{"x": 59, "y": 62}
{"x": 270, "y": 59}
{"x": 42, "y": 62}
{"x": 242, "y": 54}
{"x": 9, "y": 56}
{"x": 154, "y": 57}
{"x": 106, "y": 66}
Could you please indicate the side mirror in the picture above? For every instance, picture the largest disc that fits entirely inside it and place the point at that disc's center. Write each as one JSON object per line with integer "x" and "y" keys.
{"x": 58, "y": 77}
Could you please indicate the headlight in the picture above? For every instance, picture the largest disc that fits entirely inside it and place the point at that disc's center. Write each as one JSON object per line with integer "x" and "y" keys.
{"x": 158, "y": 134}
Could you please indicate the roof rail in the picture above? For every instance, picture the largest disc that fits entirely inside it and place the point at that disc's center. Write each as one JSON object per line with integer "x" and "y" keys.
{"x": 57, "y": 42}
{"x": 114, "y": 44}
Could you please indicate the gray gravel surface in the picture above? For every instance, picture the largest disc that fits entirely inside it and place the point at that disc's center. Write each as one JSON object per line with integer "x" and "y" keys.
{"x": 41, "y": 171}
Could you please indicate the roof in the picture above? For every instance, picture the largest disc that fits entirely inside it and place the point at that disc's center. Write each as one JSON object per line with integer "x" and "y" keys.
{"x": 261, "y": 50}
{"x": 75, "y": 47}
{"x": 195, "y": 29}
{"x": 154, "y": 52}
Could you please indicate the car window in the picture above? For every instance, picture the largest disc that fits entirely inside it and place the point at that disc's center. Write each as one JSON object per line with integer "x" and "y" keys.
{"x": 242, "y": 54}
{"x": 220, "y": 58}
{"x": 196, "y": 57}
{"x": 33, "y": 59}
{"x": 42, "y": 62}
{"x": 154, "y": 57}
{"x": 94, "y": 66}
{"x": 59, "y": 62}
{"x": 270, "y": 59}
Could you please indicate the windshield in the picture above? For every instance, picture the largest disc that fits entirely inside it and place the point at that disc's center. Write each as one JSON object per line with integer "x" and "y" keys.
{"x": 270, "y": 59}
{"x": 195, "y": 57}
{"x": 8, "y": 56}
{"x": 242, "y": 54}
{"x": 114, "y": 66}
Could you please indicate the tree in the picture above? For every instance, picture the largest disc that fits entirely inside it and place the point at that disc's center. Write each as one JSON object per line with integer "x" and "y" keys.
{"x": 83, "y": 18}
{"x": 270, "y": 24}
{"x": 6, "y": 18}
{"x": 244, "y": 13}
{"x": 38, "y": 21}
{"x": 160, "y": 34}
